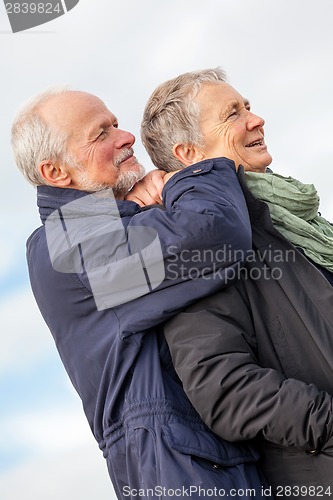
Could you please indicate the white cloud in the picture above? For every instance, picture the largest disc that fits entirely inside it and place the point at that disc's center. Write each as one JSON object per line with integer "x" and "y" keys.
{"x": 77, "y": 474}
{"x": 62, "y": 457}
{"x": 25, "y": 337}
{"x": 47, "y": 430}
{"x": 327, "y": 211}
{"x": 7, "y": 258}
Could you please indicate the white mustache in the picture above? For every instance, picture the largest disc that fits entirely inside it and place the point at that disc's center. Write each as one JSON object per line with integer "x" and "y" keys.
{"x": 126, "y": 153}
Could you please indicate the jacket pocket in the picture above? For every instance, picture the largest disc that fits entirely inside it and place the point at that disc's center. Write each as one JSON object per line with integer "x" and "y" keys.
{"x": 204, "y": 444}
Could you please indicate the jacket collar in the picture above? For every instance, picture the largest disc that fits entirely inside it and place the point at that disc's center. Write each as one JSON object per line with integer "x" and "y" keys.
{"x": 258, "y": 210}
{"x": 260, "y": 217}
{"x": 51, "y": 198}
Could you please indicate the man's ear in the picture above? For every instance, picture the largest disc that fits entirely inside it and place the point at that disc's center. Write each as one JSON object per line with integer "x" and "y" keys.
{"x": 187, "y": 154}
{"x": 55, "y": 174}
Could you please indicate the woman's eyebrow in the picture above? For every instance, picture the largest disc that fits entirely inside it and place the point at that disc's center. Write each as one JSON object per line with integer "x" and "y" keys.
{"x": 247, "y": 103}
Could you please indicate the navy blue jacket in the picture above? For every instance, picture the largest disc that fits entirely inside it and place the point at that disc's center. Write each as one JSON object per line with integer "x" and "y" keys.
{"x": 115, "y": 356}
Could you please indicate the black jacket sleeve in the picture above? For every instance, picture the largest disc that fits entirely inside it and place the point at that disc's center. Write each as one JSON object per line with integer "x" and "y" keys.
{"x": 213, "y": 349}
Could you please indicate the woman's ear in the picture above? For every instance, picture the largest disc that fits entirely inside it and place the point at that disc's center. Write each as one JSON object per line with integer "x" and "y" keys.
{"x": 55, "y": 174}
{"x": 187, "y": 154}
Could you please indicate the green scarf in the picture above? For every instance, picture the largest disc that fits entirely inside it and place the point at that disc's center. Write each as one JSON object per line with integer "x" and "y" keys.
{"x": 294, "y": 210}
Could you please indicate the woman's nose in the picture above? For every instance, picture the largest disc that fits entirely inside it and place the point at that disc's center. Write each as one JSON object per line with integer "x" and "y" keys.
{"x": 254, "y": 121}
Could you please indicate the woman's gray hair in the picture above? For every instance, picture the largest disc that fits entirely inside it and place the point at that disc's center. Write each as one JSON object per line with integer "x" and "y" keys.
{"x": 171, "y": 116}
{"x": 33, "y": 140}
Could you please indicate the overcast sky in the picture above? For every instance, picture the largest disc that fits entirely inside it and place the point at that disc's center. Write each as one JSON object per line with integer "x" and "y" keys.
{"x": 277, "y": 53}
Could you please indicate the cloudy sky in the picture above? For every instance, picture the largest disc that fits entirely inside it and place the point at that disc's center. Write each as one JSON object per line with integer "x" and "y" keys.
{"x": 277, "y": 53}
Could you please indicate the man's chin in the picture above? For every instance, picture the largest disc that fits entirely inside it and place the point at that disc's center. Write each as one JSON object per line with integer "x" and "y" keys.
{"x": 128, "y": 175}
{"x": 132, "y": 165}
{"x": 127, "y": 178}
{"x": 135, "y": 170}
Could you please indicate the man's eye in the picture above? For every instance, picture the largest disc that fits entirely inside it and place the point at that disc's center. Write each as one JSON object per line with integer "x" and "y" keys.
{"x": 234, "y": 113}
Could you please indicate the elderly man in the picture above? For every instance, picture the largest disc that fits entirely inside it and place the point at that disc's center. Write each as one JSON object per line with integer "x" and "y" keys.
{"x": 256, "y": 358}
{"x": 92, "y": 265}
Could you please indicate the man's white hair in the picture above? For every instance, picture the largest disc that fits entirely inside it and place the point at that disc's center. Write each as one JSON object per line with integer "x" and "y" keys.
{"x": 33, "y": 140}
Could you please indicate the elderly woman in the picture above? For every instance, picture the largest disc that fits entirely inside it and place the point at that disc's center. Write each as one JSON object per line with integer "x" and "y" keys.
{"x": 256, "y": 359}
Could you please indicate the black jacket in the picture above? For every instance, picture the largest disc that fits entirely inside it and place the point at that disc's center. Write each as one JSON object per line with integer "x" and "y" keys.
{"x": 256, "y": 359}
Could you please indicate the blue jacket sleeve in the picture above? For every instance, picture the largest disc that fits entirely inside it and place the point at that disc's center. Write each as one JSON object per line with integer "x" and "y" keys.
{"x": 204, "y": 235}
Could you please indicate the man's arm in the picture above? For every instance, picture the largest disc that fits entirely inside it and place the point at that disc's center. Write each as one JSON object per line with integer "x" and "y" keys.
{"x": 148, "y": 264}
{"x": 213, "y": 351}
{"x": 204, "y": 234}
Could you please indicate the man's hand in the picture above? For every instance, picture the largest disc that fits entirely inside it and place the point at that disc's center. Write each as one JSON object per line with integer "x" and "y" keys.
{"x": 148, "y": 191}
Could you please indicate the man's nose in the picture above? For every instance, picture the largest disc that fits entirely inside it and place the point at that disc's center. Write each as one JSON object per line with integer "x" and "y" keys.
{"x": 254, "y": 121}
{"x": 124, "y": 139}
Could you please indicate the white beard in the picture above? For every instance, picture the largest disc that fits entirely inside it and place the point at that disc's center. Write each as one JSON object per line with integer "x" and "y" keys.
{"x": 124, "y": 183}
{"x": 126, "y": 180}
